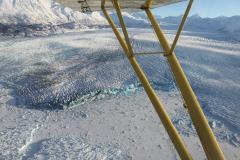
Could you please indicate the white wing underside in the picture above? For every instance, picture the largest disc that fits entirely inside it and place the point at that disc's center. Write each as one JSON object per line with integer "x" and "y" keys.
{"x": 95, "y": 5}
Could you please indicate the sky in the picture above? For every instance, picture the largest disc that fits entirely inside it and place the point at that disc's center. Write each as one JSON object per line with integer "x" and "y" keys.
{"x": 204, "y": 8}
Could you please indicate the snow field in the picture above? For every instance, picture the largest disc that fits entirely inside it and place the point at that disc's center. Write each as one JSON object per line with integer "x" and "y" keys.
{"x": 107, "y": 114}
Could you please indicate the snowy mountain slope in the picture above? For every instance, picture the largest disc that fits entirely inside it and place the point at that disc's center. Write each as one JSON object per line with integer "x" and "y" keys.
{"x": 43, "y": 12}
{"x": 42, "y": 17}
{"x": 46, "y": 17}
{"x": 132, "y": 19}
{"x": 225, "y": 25}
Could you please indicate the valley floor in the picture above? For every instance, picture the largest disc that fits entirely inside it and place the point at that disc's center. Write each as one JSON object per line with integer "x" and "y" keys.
{"x": 106, "y": 113}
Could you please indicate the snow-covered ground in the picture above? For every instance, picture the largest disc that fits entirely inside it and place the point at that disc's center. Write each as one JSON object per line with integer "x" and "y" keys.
{"x": 106, "y": 113}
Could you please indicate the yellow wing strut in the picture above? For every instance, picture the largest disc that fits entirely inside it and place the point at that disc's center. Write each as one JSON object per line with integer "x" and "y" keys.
{"x": 178, "y": 142}
{"x": 207, "y": 138}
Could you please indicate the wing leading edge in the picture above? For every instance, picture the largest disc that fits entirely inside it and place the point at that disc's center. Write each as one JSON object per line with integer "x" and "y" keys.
{"x": 95, "y": 5}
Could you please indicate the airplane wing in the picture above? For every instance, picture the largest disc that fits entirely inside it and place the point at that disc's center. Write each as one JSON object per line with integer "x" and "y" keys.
{"x": 95, "y": 5}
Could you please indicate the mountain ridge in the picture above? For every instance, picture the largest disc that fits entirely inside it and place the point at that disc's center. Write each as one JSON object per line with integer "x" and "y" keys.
{"x": 44, "y": 17}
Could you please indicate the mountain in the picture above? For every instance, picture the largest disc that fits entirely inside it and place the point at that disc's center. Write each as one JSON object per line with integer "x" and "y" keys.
{"x": 224, "y": 25}
{"x": 43, "y": 17}
{"x": 40, "y": 17}
{"x": 132, "y": 19}
{"x": 43, "y": 12}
